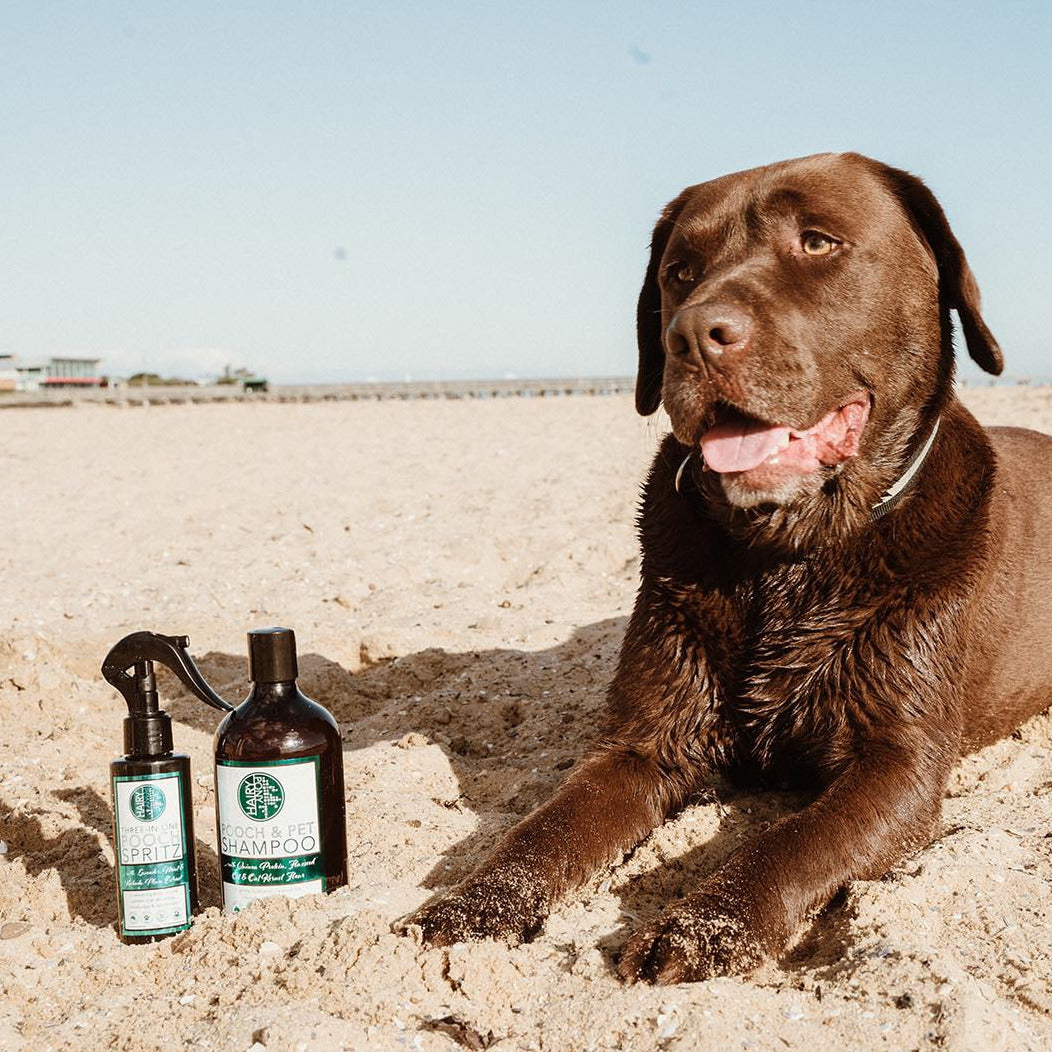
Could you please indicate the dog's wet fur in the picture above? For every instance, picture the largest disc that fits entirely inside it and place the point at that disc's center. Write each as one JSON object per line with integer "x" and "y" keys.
{"x": 782, "y": 631}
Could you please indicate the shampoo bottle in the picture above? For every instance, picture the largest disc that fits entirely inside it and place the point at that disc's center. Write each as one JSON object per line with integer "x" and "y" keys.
{"x": 280, "y": 810}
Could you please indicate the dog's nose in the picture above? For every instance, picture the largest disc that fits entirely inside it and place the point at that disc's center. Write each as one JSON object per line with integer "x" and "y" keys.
{"x": 707, "y": 331}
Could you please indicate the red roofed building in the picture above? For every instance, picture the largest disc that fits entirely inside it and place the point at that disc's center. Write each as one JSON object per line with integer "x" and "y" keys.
{"x": 19, "y": 375}
{"x": 73, "y": 372}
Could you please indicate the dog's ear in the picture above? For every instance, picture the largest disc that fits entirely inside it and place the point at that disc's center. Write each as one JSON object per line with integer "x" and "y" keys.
{"x": 648, "y": 318}
{"x": 955, "y": 276}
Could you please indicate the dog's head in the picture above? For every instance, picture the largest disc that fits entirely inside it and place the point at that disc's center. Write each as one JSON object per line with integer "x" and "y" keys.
{"x": 794, "y": 320}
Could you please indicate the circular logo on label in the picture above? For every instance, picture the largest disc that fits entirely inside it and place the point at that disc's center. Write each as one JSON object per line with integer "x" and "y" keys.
{"x": 260, "y": 797}
{"x": 147, "y": 803}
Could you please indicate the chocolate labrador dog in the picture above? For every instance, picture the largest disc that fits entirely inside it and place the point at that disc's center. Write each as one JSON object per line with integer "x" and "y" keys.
{"x": 845, "y": 579}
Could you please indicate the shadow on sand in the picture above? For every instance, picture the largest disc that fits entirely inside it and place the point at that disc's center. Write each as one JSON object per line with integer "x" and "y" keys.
{"x": 84, "y": 870}
{"x": 499, "y": 715}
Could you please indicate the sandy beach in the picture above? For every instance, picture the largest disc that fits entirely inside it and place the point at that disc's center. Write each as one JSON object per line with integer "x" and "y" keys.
{"x": 458, "y": 575}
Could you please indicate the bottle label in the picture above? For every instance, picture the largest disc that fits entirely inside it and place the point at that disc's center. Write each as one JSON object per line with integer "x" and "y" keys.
{"x": 270, "y": 840}
{"x": 153, "y": 876}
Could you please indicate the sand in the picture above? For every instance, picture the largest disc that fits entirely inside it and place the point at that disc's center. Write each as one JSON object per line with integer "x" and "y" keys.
{"x": 458, "y": 575}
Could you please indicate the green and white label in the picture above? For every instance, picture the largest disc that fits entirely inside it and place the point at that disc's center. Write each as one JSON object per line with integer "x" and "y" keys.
{"x": 153, "y": 876}
{"x": 269, "y": 829}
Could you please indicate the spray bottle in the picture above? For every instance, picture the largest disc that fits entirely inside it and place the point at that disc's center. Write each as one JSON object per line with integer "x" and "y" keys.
{"x": 153, "y": 817}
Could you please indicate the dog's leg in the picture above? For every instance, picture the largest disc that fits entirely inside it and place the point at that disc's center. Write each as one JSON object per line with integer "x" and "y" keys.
{"x": 608, "y": 805}
{"x": 883, "y": 806}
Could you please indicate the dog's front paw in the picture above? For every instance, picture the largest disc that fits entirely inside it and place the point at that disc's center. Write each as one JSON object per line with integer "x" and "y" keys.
{"x": 700, "y": 938}
{"x": 483, "y": 907}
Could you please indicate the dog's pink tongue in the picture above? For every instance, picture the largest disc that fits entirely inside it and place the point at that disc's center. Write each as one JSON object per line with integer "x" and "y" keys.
{"x": 740, "y": 445}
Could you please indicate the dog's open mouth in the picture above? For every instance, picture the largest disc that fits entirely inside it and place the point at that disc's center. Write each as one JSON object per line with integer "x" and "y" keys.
{"x": 737, "y": 442}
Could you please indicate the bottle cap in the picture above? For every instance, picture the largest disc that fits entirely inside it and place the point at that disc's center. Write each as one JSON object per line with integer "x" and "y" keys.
{"x": 272, "y": 655}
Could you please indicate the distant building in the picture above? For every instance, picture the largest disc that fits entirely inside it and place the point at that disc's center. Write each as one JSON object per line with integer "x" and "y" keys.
{"x": 19, "y": 375}
{"x": 8, "y": 373}
{"x": 73, "y": 372}
{"x": 248, "y": 380}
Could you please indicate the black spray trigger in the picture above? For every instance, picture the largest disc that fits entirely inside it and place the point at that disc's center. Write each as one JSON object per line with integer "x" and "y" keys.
{"x": 136, "y": 652}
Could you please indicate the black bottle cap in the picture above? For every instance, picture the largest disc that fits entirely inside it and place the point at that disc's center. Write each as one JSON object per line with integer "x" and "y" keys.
{"x": 272, "y": 655}
{"x": 146, "y": 737}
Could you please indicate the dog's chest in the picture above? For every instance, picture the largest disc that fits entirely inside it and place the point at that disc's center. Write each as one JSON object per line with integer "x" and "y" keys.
{"x": 788, "y": 673}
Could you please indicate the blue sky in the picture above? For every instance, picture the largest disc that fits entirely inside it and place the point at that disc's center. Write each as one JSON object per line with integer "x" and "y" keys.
{"x": 349, "y": 190}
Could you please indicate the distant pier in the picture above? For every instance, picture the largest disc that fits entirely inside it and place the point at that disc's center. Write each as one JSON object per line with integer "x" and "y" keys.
{"x": 190, "y": 394}
{"x": 372, "y": 392}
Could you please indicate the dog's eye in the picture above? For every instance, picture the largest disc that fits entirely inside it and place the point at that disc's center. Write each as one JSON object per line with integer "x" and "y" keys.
{"x": 815, "y": 244}
{"x": 682, "y": 273}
